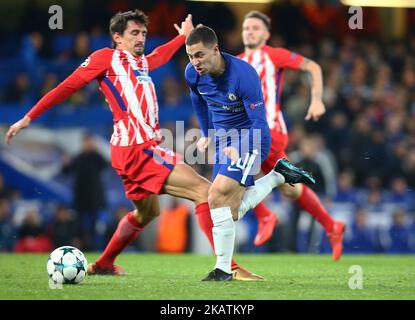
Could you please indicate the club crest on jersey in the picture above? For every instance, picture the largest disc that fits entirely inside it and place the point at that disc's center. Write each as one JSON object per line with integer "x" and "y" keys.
{"x": 86, "y": 62}
{"x": 232, "y": 96}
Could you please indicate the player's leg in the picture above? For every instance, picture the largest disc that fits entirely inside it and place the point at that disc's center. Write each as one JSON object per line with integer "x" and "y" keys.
{"x": 283, "y": 172}
{"x": 308, "y": 200}
{"x": 267, "y": 219}
{"x": 142, "y": 177}
{"x": 128, "y": 229}
{"x": 229, "y": 182}
{"x": 185, "y": 182}
{"x": 228, "y": 200}
{"x": 224, "y": 198}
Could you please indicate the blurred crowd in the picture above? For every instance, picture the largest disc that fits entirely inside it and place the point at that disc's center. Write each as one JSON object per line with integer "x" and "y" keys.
{"x": 362, "y": 151}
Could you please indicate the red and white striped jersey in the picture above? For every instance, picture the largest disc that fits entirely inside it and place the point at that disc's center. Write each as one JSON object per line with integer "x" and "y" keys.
{"x": 270, "y": 64}
{"x": 129, "y": 90}
{"x": 130, "y": 93}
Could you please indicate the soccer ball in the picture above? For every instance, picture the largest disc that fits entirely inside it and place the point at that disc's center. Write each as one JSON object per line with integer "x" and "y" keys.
{"x": 66, "y": 265}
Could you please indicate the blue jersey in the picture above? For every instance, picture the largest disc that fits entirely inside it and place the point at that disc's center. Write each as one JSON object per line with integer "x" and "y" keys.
{"x": 234, "y": 100}
{"x": 233, "y": 105}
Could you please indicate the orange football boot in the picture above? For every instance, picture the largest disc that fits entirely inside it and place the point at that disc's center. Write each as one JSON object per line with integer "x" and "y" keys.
{"x": 266, "y": 227}
{"x": 114, "y": 270}
{"x": 336, "y": 239}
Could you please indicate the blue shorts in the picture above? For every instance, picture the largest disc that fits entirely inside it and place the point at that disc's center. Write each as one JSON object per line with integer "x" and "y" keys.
{"x": 244, "y": 170}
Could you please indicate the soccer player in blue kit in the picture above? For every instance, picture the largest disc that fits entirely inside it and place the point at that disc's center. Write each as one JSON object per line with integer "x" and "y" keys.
{"x": 226, "y": 91}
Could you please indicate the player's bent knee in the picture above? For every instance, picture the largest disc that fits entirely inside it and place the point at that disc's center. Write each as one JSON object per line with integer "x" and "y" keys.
{"x": 146, "y": 215}
{"x": 216, "y": 198}
{"x": 214, "y": 201}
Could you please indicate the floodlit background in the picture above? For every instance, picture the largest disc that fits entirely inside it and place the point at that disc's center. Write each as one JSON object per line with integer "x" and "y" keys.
{"x": 362, "y": 150}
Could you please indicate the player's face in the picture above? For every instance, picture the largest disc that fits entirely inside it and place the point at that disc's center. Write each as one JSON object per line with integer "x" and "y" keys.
{"x": 204, "y": 59}
{"x": 254, "y": 33}
{"x": 133, "y": 39}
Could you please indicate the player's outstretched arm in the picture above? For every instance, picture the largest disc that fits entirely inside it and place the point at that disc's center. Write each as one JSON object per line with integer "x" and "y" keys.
{"x": 95, "y": 65}
{"x": 316, "y": 108}
{"x": 57, "y": 95}
{"x": 15, "y": 128}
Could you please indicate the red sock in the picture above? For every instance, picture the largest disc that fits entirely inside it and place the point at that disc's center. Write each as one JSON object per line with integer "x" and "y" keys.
{"x": 127, "y": 231}
{"x": 205, "y": 223}
{"x": 310, "y": 202}
{"x": 261, "y": 211}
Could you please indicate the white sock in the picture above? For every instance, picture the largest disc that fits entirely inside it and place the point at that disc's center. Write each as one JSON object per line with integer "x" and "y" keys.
{"x": 255, "y": 194}
{"x": 223, "y": 237}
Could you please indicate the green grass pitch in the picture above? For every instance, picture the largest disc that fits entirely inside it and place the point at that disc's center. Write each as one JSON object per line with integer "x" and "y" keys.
{"x": 165, "y": 277}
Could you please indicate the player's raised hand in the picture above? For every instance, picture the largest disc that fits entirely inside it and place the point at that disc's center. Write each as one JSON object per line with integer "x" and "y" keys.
{"x": 315, "y": 110}
{"x": 186, "y": 26}
{"x": 231, "y": 153}
{"x": 15, "y": 128}
{"x": 203, "y": 143}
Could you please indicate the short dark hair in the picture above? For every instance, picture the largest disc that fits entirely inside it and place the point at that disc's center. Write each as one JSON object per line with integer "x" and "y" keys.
{"x": 202, "y": 34}
{"x": 118, "y": 22}
{"x": 261, "y": 16}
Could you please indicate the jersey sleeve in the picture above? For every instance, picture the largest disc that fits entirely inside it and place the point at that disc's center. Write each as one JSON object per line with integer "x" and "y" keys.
{"x": 162, "y": 54}
{"x": 283, "y": 58}
{"x": 93, "y": 67}
{"x": 253, "y": 100}
{"x": 198, "y": 103}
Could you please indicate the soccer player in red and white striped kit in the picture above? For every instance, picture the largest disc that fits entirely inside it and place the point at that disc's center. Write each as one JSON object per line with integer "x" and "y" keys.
{"x": 270, "y": 64}
{"x": 145, "y": 168}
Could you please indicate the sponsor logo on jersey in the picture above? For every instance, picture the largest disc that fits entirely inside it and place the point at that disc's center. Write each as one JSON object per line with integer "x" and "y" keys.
{"x": 142, "y": 76}
{"x": 239, "y": 107}
{"x": 255, "y": 105}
